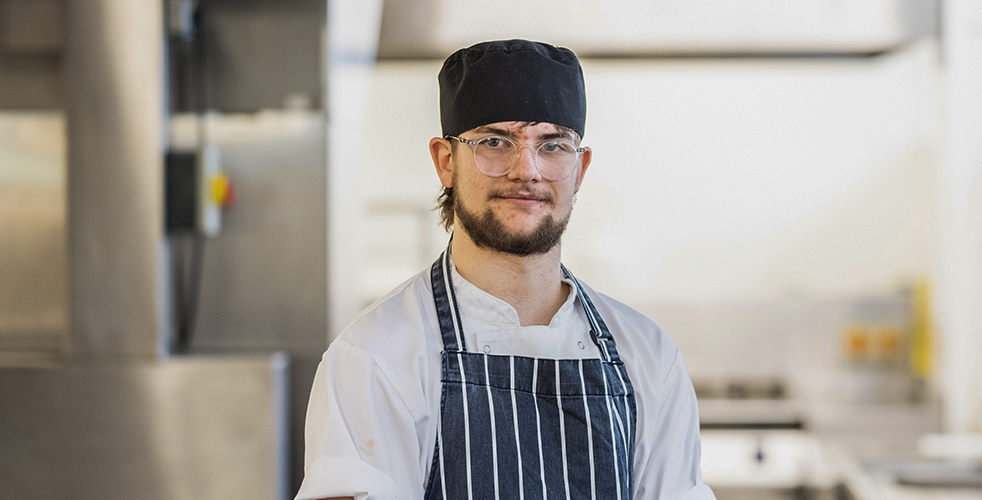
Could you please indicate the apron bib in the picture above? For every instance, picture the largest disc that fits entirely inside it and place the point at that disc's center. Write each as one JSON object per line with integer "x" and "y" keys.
{"x": 515, "y": 427}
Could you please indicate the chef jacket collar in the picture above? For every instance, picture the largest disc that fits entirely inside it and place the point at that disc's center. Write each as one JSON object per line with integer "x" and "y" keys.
{"x": 486, "y": 308}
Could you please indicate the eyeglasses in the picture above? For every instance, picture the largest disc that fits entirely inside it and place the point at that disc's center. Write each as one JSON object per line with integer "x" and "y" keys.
{"x": 496, "y": 156}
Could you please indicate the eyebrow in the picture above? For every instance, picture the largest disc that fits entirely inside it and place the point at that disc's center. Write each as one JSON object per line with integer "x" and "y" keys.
{"x": 486, "y": 129}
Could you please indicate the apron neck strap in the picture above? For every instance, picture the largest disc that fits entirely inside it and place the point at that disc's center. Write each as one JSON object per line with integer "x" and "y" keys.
{"x": 598, "y": 329}
{"x": 452, "y": 329}
{"x": 447, "y": 310}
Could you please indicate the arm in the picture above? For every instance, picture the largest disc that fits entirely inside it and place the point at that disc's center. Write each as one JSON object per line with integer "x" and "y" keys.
{"x": 360, "y": 437}
{"x": 672, "y": 470}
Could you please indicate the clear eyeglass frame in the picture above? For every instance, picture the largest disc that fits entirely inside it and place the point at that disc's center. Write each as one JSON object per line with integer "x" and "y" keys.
{"x": 518, "y": 151}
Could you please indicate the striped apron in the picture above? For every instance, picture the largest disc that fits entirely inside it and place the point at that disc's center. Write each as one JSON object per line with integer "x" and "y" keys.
{"x": 514, "y": 427}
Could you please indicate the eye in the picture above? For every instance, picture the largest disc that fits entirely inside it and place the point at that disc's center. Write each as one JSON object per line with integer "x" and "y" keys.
{"x": 556, "y": 147}
{"x": 494, "y": 142}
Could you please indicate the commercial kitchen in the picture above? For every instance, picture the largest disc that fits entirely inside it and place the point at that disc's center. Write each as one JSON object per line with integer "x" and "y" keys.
{"x": 196, "y": 196}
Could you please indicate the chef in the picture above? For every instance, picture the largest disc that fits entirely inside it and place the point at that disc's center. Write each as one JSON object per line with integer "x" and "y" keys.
{"x": 496, "y": 374}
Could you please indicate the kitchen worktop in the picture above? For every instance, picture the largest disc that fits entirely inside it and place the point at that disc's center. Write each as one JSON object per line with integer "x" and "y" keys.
{"x": 862, "y": 447}
{"x": 737, "y": 463}
{"x": 879, "y": 482}
{"x": 870, "y": 446}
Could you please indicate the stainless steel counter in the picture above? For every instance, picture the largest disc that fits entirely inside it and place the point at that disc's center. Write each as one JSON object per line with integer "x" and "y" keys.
{"x": 867, "y": 481}
{"x": 193, "y": 428}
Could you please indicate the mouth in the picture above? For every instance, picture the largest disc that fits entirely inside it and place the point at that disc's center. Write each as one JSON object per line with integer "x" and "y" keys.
{"x": 523, "y": 198}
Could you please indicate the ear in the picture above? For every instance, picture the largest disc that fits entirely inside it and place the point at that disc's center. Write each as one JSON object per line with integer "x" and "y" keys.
{"x": 585, "y": 158}
{"x": 442, "y": 160}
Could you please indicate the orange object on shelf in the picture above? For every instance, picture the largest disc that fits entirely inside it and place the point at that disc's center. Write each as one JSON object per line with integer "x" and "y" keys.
{"x": 857, "y": 342}
{"x": 889, "y": 342}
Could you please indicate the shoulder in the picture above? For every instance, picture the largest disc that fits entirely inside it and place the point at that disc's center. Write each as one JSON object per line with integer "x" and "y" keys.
{"x": 667, "y": 435}
{"x": 396, "y": 321}
{"x": 640, "y": 341}
{"x": 399, "y": 336}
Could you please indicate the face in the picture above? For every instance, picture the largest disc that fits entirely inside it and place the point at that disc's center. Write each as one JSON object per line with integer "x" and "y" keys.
{"x": 520, "y": 213}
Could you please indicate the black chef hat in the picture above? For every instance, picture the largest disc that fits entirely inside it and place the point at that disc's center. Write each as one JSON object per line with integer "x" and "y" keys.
{"x": 511, "y": 80}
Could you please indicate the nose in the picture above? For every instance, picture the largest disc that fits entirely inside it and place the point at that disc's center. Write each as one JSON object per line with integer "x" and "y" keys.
{"x": 525, "y": 168}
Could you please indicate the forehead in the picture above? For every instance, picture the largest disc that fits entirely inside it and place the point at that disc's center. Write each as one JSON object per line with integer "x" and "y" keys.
{"x": 523, "y": 130}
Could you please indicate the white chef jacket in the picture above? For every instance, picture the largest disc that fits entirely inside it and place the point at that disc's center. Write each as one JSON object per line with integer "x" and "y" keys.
{"x": 375, "y": 402}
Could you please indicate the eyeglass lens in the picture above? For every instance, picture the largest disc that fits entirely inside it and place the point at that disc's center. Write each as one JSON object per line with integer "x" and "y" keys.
{"x": 496, "y": 156}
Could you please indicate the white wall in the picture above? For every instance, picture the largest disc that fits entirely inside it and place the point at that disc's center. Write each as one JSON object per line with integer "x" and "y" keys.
{"x": 724, "y": 180}
{"x": 712, "y": 179}
{"x": 960, "y": 231}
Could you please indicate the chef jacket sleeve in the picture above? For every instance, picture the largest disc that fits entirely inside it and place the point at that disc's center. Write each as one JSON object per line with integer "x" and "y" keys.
{"x": 673, "y": 470}
{"x": 360, "y": 436}
{"x": 697, "y": 492}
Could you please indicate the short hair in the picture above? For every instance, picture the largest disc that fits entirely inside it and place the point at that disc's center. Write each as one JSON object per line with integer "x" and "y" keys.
{"x": 445, "y": 201}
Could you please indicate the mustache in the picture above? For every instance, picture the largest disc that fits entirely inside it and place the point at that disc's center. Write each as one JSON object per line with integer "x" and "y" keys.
{"x": 521, "y": 190}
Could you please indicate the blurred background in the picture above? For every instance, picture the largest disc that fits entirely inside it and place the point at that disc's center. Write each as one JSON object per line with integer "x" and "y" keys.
{"x": 196, "y": 196}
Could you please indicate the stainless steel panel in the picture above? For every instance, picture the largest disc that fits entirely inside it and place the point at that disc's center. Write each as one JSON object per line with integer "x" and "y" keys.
{"x": 31, "y": 34}
{"x": 31, "y": 26}
{"x": 208, "y": 428}
{"x": 264, "y": 54}
{"x": 31, "y": 82}
{"x": 33, "y": 274}
{"x": 264, "y": 278}
{"x": 114, "y": 70}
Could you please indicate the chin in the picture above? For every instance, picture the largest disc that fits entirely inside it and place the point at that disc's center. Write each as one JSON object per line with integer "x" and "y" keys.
{"x": 522, "y": 224}
{"x": 522, "y": 230}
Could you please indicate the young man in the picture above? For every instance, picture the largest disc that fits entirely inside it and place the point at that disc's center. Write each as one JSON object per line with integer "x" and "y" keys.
{"x": 495, "y": 373}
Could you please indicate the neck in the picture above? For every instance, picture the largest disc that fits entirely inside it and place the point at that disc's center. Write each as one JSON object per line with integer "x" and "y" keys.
{"x": 531, "y": 284}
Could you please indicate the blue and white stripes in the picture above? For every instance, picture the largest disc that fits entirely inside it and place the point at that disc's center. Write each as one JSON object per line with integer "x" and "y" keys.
{"x": 515, "y": 427}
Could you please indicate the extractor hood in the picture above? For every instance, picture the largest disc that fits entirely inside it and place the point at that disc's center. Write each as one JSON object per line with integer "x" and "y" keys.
{"x": 435, "y": 28}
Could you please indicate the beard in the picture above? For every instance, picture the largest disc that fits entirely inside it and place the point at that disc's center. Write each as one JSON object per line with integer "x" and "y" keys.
{"x": 487, "y": 231}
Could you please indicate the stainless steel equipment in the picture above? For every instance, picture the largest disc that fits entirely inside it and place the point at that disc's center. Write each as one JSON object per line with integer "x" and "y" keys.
{"x": 196, "y": 428}
{"x": 91, "y": 403}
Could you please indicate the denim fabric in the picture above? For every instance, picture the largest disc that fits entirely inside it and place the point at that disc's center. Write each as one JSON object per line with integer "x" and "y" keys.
{"x": 514, "y": 426}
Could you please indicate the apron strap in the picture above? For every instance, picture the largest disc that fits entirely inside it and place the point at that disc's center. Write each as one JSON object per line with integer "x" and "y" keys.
{"x": 447, "y": 311}
{"x": 451, "y": 327}
{"x": 598, "y": 329}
